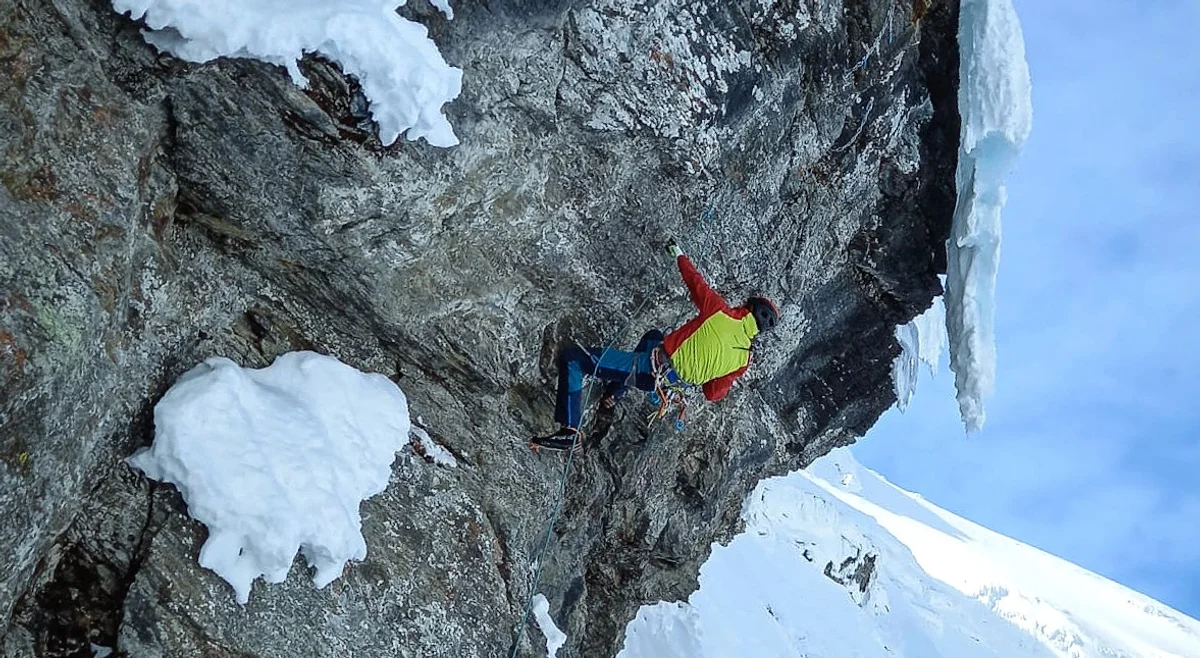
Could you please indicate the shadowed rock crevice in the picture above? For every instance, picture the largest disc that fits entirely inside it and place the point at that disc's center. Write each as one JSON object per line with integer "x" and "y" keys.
{"x": 79, "y": 596}
{"x": 155, "y": 213}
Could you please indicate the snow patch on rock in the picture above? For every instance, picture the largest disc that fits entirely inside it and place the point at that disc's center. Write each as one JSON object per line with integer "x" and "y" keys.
{"x": 276, "y": 460}
{"x": 431, "y": 451}
{"x": 399, "y": 67}
{"x": 555, "y": 638}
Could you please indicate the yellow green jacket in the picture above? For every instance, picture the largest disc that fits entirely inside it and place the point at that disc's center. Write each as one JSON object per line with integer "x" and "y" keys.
{"x": 712, "y": 349}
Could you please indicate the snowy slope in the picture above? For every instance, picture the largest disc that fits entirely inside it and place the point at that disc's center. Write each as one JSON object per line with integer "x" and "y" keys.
{"x": 837, "y": 562}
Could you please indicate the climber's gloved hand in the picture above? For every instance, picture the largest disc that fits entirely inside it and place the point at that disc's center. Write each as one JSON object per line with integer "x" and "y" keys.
{"x": 673, "y": 248}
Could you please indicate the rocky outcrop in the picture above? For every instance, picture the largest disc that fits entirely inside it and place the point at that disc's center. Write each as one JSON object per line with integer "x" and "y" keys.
{"x": 154, "y": 213}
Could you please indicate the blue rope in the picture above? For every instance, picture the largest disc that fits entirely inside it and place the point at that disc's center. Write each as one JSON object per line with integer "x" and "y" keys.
{"x": 562, "y": 484}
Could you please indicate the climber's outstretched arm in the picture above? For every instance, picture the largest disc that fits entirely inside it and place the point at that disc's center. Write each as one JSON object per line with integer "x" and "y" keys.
{"x": 703, "y": 296}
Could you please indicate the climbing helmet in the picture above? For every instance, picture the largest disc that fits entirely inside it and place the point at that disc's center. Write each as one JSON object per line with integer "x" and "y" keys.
{"x": 766, "y": 314}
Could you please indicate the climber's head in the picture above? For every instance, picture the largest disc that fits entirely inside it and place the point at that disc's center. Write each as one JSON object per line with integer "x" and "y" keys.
{"x": 766, "y": 314}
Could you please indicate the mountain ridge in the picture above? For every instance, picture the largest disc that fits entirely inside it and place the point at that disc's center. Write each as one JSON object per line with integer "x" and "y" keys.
{"x": 837, "y": 561}
{"x": 1047, "y": 564}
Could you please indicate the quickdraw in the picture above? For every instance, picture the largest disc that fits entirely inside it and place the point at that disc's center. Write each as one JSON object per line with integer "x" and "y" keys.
{"x": 669, "y": 391}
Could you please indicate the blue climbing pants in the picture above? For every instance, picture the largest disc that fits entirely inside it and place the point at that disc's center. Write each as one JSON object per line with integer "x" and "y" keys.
{"x": 619, "y": 368}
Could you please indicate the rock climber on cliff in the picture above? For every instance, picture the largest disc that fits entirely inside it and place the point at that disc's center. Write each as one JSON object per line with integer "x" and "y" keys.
{"x": 710, "y": 351}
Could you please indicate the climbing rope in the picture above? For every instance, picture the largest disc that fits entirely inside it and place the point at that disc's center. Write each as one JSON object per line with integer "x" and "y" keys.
{"x": 562, "y": 484}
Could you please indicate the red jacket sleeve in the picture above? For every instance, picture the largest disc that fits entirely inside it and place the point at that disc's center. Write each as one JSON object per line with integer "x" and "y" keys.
{"x": 704, "y": 297}
{"x": 718, "y": 388}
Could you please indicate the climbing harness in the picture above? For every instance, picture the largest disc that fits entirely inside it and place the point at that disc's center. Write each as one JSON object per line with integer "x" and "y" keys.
{"x": 670, "y": 392}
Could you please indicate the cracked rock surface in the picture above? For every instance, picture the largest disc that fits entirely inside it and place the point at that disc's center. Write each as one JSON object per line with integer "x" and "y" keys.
{"x": 154, "y": 213}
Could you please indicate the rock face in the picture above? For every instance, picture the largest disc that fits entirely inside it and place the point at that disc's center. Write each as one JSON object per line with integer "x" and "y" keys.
{"x": 154, "y": 213}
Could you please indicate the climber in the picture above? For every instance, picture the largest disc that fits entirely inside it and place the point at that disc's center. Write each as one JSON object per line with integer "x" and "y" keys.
{"x": 710, "y": 351}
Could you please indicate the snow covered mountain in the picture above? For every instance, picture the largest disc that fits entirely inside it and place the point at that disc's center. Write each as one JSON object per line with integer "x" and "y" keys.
{"x": 836, "y": 562}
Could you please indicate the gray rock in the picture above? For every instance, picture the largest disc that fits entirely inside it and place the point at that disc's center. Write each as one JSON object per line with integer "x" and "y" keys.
{"x": 154, "y": 213}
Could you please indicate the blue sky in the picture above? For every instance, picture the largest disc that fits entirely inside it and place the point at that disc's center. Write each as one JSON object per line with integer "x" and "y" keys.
{"x": 1092, "y": 444}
